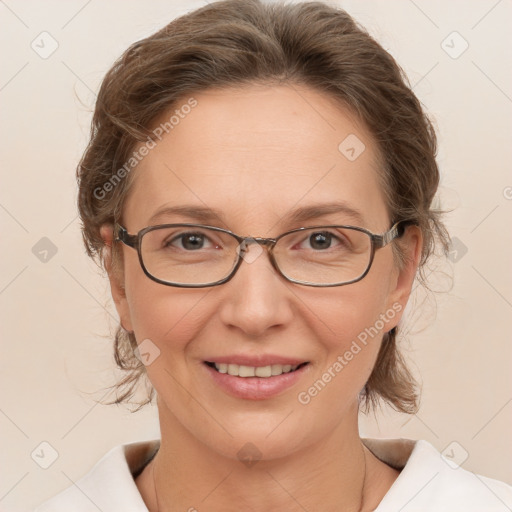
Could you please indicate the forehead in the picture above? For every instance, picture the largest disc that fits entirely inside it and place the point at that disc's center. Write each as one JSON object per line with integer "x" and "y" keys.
{"x": 256, "y": 153}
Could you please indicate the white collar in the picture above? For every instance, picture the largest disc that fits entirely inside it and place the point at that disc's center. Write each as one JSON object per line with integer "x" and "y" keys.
{"x": 426, "y": 482}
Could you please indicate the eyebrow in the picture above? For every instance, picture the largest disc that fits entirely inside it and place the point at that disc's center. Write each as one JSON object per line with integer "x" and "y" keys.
{"x": 204, "y": 214}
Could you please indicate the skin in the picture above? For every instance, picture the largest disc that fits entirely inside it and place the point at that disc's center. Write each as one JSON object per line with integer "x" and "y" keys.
{"x": 255, "y": 153}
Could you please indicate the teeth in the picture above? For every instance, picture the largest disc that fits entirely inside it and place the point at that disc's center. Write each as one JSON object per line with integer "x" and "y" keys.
{"x": 222, "y": 367}
{"x": 254, "y": 371}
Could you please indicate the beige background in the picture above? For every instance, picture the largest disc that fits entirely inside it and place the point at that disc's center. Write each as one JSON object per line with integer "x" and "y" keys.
{"x": 56, "y": 354}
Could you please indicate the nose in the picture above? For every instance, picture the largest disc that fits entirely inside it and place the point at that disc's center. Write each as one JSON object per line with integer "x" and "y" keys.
{"x": 257, "y": 297}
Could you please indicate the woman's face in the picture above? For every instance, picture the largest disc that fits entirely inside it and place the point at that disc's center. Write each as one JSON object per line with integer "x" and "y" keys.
{"x": 255, "y": 155}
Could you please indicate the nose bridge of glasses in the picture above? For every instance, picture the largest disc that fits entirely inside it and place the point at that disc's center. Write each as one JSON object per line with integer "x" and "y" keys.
{"x": 266, "y": 242}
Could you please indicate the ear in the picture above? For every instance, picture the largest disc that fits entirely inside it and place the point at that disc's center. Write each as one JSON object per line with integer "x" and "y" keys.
{"x": 116, "y": 278}
{"x": 411, "y": 244}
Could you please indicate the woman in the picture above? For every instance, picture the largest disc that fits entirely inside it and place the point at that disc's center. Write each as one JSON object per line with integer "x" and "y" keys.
{"x": 258, "y": 186}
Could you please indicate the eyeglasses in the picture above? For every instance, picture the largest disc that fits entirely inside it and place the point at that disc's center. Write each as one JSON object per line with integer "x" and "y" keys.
{"x": 197, "y": 256}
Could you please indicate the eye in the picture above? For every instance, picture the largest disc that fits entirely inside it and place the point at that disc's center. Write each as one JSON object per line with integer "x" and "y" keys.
{"x": 322, "y": 240}
{"x": 190, "y": 241}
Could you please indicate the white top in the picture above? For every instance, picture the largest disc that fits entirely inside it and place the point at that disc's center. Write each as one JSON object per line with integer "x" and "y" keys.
{"x": 427, "y": 482}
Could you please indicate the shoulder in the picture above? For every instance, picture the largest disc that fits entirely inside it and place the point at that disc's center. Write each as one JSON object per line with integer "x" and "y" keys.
{"x": 109, "y": 485}
{"x": 429, "y": 481}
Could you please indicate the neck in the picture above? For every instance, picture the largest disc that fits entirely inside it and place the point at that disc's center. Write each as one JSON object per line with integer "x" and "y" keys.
{"x": 187, "y": 474}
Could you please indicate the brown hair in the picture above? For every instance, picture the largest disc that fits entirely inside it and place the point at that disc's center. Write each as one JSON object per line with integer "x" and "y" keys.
{"x": 238, "y": 42}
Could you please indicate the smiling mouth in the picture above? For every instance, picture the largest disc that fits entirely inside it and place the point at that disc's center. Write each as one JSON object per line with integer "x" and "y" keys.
{"x": 254, "y": 371}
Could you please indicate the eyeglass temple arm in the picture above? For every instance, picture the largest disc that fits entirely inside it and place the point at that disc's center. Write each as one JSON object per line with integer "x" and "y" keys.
{"x": 396, "y": 231}
{"x": 121, "y": 235}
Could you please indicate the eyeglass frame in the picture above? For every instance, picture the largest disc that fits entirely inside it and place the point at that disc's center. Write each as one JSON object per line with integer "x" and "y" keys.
{"x": 377, "y": 242}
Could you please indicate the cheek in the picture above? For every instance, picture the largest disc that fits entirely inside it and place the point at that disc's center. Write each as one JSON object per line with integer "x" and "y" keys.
{"x": 158, "y": 312}
{"x": 349, "y": 325}
{"x": 169, "y": 318}
{"x": 349, "y": 312}
{"x": 163, "y": 313}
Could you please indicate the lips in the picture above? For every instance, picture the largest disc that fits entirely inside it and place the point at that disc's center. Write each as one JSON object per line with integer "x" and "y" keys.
{"x": 256, "y": 387}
